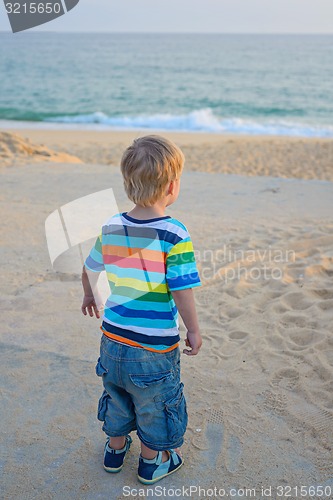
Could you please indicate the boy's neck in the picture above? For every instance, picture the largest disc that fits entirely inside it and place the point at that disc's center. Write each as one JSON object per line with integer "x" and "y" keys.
{"x": 152, "y": 212}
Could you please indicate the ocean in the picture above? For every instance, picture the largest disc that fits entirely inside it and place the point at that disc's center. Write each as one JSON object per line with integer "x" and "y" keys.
{"x": 240, "y": 84}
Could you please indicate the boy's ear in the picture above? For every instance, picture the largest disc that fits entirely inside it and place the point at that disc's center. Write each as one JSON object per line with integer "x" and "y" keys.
{"x": 170, "y": 188}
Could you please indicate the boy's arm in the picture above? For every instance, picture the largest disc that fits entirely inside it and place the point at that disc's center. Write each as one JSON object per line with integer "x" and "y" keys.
{"x": 91, "y": 301}
{"x": 184, "y": 300}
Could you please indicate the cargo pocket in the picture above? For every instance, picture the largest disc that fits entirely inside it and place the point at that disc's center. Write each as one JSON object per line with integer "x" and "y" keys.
{"x": 103, "y": 405}
{"x": 174, "y": 405}
{"x": 147, "y": 380}
{"x": 100, "y": 370}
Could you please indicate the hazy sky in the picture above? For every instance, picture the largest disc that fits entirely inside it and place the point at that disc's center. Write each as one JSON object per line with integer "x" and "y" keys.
{"x": 205, "y": 16}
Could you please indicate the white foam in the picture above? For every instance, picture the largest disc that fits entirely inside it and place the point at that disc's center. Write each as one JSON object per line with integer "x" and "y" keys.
{"x": 202, "y": 120}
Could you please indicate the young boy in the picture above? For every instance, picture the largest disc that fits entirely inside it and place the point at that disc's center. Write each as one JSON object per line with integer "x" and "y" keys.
{"x": 149, "y": 260}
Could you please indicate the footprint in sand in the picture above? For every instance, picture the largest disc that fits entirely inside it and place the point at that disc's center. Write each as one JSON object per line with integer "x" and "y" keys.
{"x": 305, "y": 338}
{"x": 239, "y": 336}
{"x": 322, "y": 293}
{"x": 234, "y": 312}
{"x": 206, "y": 297}
{"x": 292, "y": 320}
{"x": 277, "y": 342}
{"x": 279, "y": 308}
{"x": 325, "y": 305}
{"x": 219, "y": 444}
{"x": 296, "y": 301}
{"x": 233, "y": 453}
{"x": 209, "y": 440}
{"x": 286, "y": 378}
{"x": 214, "y": 440}
{"x": 274, "y": 402}
{"x": 313, "y": 417}
{"x": 234, "y": 341}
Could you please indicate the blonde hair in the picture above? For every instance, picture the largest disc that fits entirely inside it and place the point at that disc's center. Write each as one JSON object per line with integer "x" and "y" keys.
{"x": 148, "y": 165}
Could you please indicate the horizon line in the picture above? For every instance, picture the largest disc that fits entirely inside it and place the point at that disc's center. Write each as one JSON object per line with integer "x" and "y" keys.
{"x": 31, "y": 31}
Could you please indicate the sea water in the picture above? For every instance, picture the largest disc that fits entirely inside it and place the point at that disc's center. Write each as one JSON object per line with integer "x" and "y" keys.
{"x": 243, "y": 84}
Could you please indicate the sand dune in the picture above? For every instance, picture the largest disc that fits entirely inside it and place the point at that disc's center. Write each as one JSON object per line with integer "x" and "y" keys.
{"x": 15, "y": 150}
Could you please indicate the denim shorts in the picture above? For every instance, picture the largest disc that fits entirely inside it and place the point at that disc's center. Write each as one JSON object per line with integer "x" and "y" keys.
{"x": 142, "y": 392}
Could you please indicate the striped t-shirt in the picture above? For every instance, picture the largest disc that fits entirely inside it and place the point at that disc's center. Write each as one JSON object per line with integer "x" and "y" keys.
{"x": 145, "y": 260}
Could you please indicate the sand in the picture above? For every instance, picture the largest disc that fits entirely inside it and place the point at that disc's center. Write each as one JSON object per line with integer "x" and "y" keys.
{"x": 215, "y": 153}
{"x": 260, "y": 391}
{"x": 15, "y": 150}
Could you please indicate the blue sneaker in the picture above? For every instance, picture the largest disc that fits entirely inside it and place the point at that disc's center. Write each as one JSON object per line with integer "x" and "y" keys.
{"x": 153, "y": 470}
{"x": 114, "y": 459}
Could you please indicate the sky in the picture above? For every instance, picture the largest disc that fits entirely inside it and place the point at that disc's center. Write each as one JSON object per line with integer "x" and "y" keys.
{"x": 197, "y": 16}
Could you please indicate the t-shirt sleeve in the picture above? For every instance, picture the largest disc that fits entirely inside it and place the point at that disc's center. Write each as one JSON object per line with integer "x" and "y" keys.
{"x": 94, "y": 261}
{"x": 181, "y": 268}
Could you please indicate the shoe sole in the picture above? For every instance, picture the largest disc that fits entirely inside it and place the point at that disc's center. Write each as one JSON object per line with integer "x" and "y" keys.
{"x": 109, "y": 469}
{"x": 151, "y": 481}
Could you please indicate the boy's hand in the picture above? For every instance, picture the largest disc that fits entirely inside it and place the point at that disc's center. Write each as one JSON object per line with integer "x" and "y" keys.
{"x": 193, "y": 340}
{"x": 89, "y": 305}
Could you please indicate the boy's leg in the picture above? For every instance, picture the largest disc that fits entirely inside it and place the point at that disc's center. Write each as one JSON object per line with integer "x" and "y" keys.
{"x": 160, "y": 406}
{"x": 150, "y": 454}
{"x": 115, "y": 407}
{"x": 117, "y": 443}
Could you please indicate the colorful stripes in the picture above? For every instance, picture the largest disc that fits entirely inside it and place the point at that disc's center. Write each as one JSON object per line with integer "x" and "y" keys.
{"x": 124, "y": 337}
{"x": 144, "y": 262}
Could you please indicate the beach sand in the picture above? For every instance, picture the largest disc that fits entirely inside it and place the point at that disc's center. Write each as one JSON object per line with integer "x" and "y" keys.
{"x": 260, "y": 391}
{"x": 216, "y": 153}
